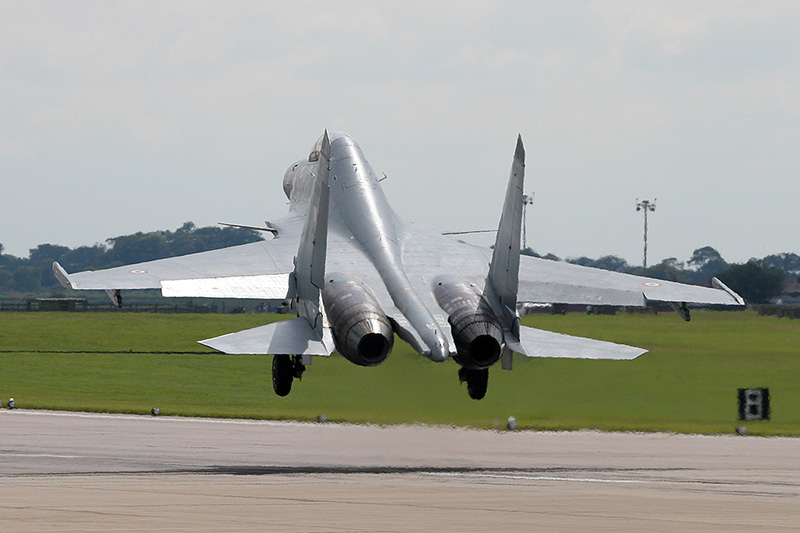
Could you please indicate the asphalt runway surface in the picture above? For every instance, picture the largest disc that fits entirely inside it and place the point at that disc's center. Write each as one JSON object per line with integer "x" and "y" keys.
{"x": 95, "y": 472}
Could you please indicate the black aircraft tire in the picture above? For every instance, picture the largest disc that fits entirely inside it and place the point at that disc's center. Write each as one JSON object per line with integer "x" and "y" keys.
{"x": 282, "y": 374}
{"x": 477, "y": 383}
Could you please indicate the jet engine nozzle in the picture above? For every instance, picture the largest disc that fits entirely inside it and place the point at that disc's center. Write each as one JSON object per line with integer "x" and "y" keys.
{"x": 476, "y": 330}
{"x": 361, "y": 331}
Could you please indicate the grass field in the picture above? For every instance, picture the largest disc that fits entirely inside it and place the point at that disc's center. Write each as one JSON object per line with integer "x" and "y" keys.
{"x": 688, "y": 382}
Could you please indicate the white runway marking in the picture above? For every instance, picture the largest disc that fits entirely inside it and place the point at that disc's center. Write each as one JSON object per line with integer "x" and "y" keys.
{"x": 532, "y": 478}
{"x": 170, "y": 418}
{"x": 40, "y": 455}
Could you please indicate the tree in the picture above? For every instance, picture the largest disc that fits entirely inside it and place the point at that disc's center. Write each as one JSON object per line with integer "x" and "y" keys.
{"x": 5, "y": 280}
{"x": 27, "y": 279}
{"x": 607, "y": 262}
{"x": 756, "y": 283}
{"x": 139, "y": 247}
{"x": 788, "y": 263}
{"x": 85, "y": 258}
{"x": 551, "y": 257}
{"x": 9, "y": 261}
{"x": 529, "y": 251}
{"x": 188, "y": 239}
{"x": 46, "y": 253}
{"x": 705, "y": 263}
{"x": 669, "y": 270}
{"x": 42, "y": 258}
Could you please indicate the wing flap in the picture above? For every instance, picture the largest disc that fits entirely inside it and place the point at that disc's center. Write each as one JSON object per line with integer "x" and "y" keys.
{"x": 265, "y": 287}
{"x": 543, "y": 292}
{"x": 539, "y": 343}
{"x": 294, "y": 337}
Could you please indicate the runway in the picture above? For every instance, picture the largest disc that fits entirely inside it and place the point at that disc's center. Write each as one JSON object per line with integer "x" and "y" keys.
{"x": 93, "y": 472}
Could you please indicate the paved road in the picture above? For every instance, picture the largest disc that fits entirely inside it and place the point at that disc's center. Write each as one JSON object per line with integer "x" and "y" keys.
{"x": 87, "y": 472}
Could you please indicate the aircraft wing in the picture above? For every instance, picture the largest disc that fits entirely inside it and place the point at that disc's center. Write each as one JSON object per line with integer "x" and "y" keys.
{"x": 259, "y": 270}
{"x": 544, "y": 281}
{"x": 263, "y": 257}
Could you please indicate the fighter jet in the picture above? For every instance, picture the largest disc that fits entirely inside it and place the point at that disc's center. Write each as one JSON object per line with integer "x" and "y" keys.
{"x": 356, "y": 274}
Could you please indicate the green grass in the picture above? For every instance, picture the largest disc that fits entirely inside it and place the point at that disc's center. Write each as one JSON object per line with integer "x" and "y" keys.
{"x": 687, "y": 383}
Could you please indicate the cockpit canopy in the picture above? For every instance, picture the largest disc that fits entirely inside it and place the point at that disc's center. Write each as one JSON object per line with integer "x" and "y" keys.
{"x": 315, "y": 150}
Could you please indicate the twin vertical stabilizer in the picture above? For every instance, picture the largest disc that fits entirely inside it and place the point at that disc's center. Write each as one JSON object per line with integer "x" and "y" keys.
{"x": 309, "y": 269}
{"x": 504, "y": 268}
{"x": 306, "y": 334}
{"x": 504, "y": 281}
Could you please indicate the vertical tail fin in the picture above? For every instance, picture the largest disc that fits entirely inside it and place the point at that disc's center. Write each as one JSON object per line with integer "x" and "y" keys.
{"x": 309, "y": 269}
{"x": 504, "y": 268}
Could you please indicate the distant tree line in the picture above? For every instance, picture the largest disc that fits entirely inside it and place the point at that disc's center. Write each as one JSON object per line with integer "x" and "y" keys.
{"x": 757, "y": 281}
{"x": 34, "y": 274}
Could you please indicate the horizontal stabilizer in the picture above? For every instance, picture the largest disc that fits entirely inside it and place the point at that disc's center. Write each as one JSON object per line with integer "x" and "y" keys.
{"x": 540, "y": 343}
{"x": 292, "y": 337}
{"x": 266, "y": 287}
{"x": 267, "y": 227}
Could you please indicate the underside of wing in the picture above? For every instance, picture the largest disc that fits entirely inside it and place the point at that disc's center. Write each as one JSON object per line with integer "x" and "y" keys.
{"x": 557, "y": 282}
{"x": 260, "y": 287}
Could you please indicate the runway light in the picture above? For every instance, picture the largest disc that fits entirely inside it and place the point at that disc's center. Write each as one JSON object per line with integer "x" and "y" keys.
{"x": 741, "y": 430}
{"x": 11, "y": 403}
{"x": 155, "y": 411}
{"x": 322, "y": 418}
{"x": 512, "y": 423}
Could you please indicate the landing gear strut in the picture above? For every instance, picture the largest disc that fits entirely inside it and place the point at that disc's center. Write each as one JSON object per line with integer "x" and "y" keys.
{"x": 284, "y": 369}
{"x": 477, "y": 381}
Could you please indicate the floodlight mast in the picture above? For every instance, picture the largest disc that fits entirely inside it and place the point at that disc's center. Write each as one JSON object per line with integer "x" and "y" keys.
{"x": 526, "y": 201}
{"x": 645, "y": 206}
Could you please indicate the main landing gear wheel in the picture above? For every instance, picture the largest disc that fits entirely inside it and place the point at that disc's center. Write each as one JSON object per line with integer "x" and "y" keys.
{"x": 284, "y": 369}
{"x": 477, "y": 381}
{"x": 282, "y": 374}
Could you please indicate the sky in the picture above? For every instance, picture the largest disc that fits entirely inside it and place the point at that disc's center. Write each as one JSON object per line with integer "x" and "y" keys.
{"x": 119, "y": 117}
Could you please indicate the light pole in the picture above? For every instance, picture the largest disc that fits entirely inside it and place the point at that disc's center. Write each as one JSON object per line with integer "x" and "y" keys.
{"x": 526, "y": 201}
{"x": 646, "y": 206}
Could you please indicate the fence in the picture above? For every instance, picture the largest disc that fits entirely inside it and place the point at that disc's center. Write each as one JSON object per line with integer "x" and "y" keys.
{"x": 81, "y": 305}
{"x": 181, "y": 306}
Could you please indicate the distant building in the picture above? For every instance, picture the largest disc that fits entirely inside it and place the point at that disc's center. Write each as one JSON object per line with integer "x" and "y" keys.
{"x": 791, "y": 293}
{"x": 57, "y": 304}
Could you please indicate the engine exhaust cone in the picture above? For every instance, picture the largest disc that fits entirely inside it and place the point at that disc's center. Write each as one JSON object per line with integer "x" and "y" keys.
{"x": 373, "y": 347}
{"x": 484, "y": 350}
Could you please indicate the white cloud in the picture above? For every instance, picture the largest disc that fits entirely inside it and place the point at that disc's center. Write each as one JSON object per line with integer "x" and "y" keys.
{"x": 486, "y": 55}
{"x": 614, "y": 100}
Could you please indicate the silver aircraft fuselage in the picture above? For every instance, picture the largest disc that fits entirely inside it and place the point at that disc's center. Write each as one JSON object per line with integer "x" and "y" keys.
{"x": 360, "y": 211}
